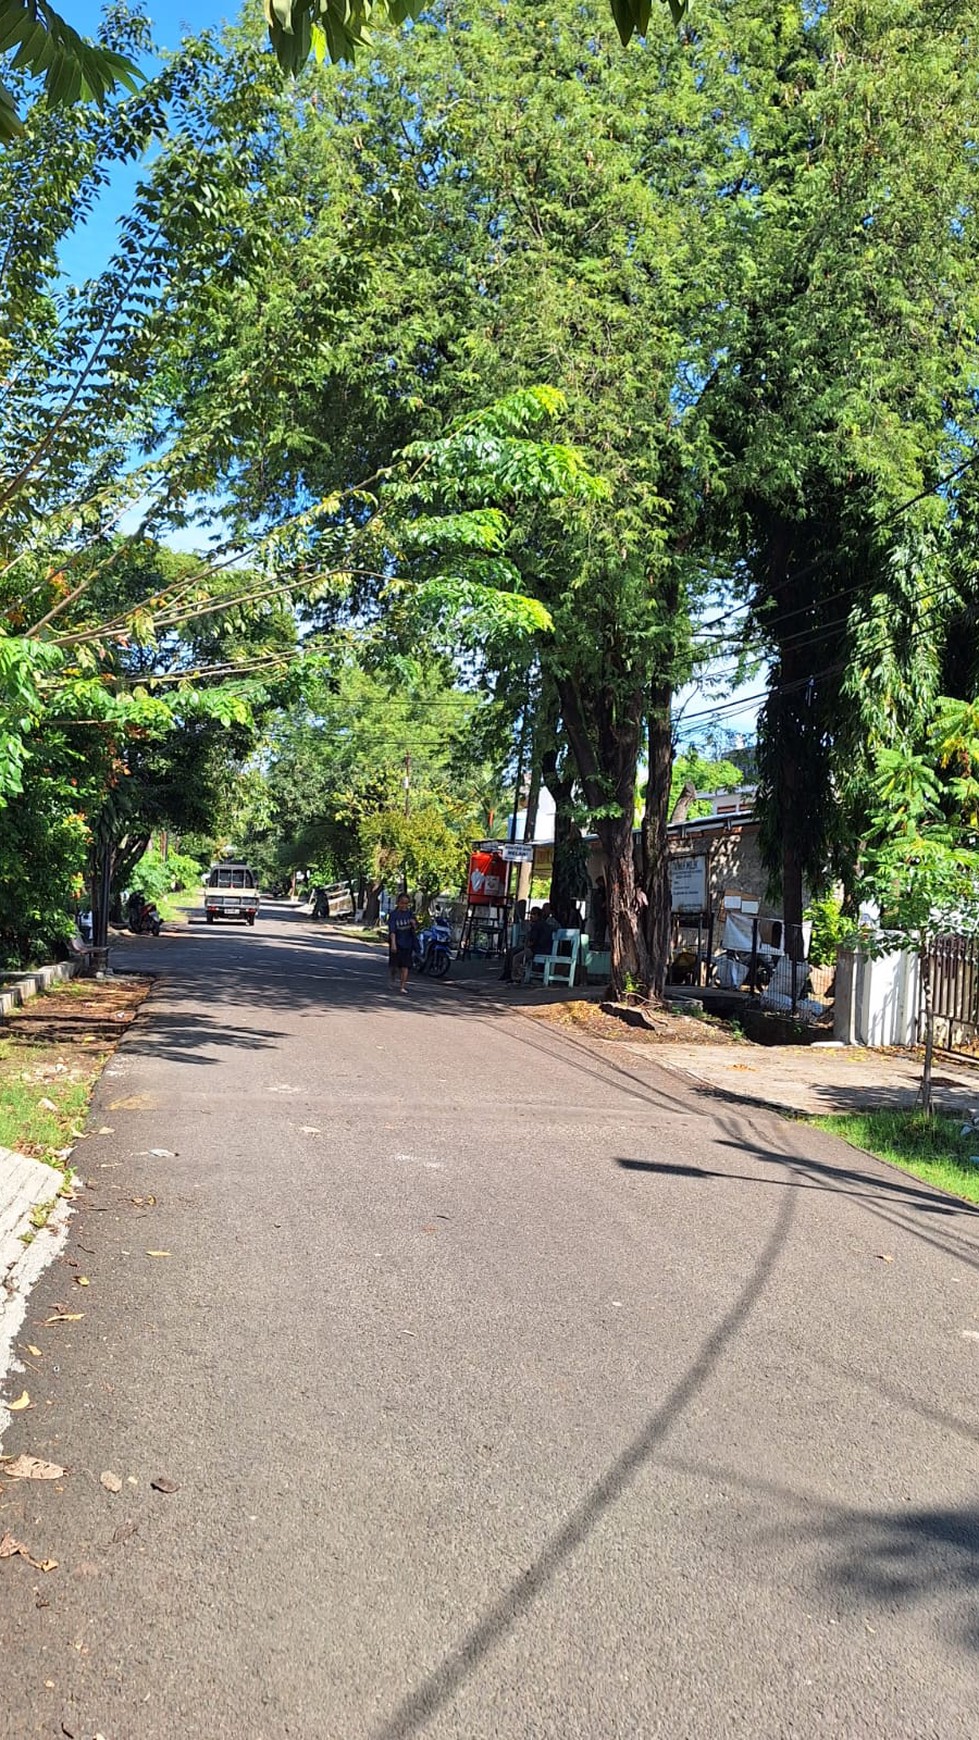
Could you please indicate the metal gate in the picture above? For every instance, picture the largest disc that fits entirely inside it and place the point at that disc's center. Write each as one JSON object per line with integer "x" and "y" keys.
{"x": 954, "y": 964}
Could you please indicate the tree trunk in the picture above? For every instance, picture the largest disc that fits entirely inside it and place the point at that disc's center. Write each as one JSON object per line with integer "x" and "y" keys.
{"x": 657, "y": 913}
{"x": 627, "y": 943}
{"x": 372, "y": 904}
{"x": 605, "y": 733}
{"x": 686, "y": 798}
{"x": 567, "y": 869}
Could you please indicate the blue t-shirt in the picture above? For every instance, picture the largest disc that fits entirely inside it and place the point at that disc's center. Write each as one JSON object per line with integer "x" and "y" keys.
{"x": 401, "y": 927}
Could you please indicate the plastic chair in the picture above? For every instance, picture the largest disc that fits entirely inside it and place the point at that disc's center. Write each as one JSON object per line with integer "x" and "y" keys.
{"x": 560, "y": 964}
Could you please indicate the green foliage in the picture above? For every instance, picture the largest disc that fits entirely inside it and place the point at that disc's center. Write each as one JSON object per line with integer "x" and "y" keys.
{"x": 156, "y": 877}
{"x": 44, "y": 844}
{"x": 337, "y": 762}
{"x": 421, "y": 849}
{"x": 921, "y": 860}
{"x": 692, "y": 768}
{"x": 338, "y": 28}
{"x": 45, "y": 47}
{"x": 830, "y": 930}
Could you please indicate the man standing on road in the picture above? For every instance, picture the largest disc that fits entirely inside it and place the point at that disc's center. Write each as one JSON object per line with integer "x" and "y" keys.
{"x": 402, "y": 930}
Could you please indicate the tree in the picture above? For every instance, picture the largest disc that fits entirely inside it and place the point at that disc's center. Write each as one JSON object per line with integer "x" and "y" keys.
{"x": 921, "y": 862}
{"x": 497, "y": 241}
{"x": 845, "y": 393}
{"x": 337, "y": 762}
{"x": 694, "y": 772}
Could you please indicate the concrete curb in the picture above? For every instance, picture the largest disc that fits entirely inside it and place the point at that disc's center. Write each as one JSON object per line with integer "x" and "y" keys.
{"x": 25, "y": 1185}
{"x": 19, "y": 986}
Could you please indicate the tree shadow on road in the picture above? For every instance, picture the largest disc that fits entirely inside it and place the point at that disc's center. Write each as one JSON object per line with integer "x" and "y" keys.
{"x": 442, "y": 1684}
{"x": 184, "y": 1039}
{"x": 887, "y": 1559}
{"x": 902, "y": 1558}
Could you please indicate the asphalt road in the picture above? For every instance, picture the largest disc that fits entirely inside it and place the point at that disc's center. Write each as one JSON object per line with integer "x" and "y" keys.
{"x": 507, "y": 1390}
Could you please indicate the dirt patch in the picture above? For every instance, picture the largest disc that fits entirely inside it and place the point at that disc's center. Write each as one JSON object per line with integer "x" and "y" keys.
{"x": 660, "y": 1026}
{"x": 52, "y": 1052}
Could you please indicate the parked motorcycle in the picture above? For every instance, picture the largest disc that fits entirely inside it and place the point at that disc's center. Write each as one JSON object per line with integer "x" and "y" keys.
{"x": 142, "y": 916}
{"x": 433, "y": 949}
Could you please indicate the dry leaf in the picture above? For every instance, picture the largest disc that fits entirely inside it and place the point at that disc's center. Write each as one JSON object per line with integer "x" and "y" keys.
{"x": 10, "y": 1549}
{"x": 23, "y": 1401}
{"x": 81, "y": 1281}
{"x": 36, "y": 1351}
{"x": 30, "y": 1468}
{"x": 158, "y": 1253}
{"x": 110, "y": 1481}
{"x": 883, "y": 1257}
{"x": 106, "y": 1130}
{"x": 162, "y": 1484}
{"x": 47, "y": 1105}
{"x": 64, "y": 1317}
{"x": 124, "y": 1532}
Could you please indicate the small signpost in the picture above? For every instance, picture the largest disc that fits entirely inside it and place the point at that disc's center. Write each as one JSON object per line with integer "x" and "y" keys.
{"x": 688, "y": 884}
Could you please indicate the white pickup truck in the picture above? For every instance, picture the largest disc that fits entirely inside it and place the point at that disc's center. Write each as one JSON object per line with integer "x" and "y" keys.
{"x": 231, "y": 891}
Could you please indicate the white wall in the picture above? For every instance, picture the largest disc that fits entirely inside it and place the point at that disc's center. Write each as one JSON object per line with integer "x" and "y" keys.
{"x": 877, "y": 1001}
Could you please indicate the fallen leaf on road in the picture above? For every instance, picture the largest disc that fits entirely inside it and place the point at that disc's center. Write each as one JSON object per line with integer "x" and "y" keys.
{"x": 82, "y": 1281}
{"x": 124, "y": 1532}
{"x": 883, "y": 1257}
{"x": 11, "y": 1549}
{"x": 35, "y": 1351}
{"x": 23, "y": 1401}
{"x": 158, "y": 1253}
{"x": 162, "y": 1484}
{"x": 64, "y": 1317}
{"x": 162, "y": 1153}
{"x": 106, "y": 1130}
{"x": 110, "y": 1481}
{"x": 310, "y": 1130}
{"x": 30, "y": 1468}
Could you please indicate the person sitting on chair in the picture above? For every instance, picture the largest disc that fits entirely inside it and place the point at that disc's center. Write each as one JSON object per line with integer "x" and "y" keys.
{"x": 536, "y": 941}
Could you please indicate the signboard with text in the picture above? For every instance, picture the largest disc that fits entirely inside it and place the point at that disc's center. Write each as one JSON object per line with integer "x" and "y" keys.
{"x": 518, "y": 852}
{"x": 688, "y": 884}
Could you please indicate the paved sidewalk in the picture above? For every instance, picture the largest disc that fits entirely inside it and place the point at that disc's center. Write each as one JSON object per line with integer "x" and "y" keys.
{"x": 809, "y": 1079}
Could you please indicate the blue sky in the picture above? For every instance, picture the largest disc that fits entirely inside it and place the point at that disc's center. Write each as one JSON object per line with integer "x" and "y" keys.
{"x": 90, "y": 247}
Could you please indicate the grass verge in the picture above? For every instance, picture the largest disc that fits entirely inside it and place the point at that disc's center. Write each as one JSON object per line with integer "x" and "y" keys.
{"x": 931, "y": 1149}
{"x": 52, "y": 1052}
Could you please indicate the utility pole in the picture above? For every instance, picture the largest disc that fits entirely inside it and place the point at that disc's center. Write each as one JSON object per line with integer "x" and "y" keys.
{"x": 404, "y": 867}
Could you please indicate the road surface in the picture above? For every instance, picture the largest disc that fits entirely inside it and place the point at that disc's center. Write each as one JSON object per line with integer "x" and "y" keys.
{"x": 508, "y": 1390}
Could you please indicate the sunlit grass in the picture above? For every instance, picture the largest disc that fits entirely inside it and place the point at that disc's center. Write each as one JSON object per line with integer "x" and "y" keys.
{"x": 931, "y": 1149}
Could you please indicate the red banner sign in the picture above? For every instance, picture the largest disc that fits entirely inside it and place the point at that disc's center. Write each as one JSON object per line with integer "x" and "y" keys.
{"x": 487, "y": 879}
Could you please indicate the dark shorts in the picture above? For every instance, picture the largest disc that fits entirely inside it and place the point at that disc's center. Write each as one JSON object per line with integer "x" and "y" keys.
{"x": 403, "y": 953}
